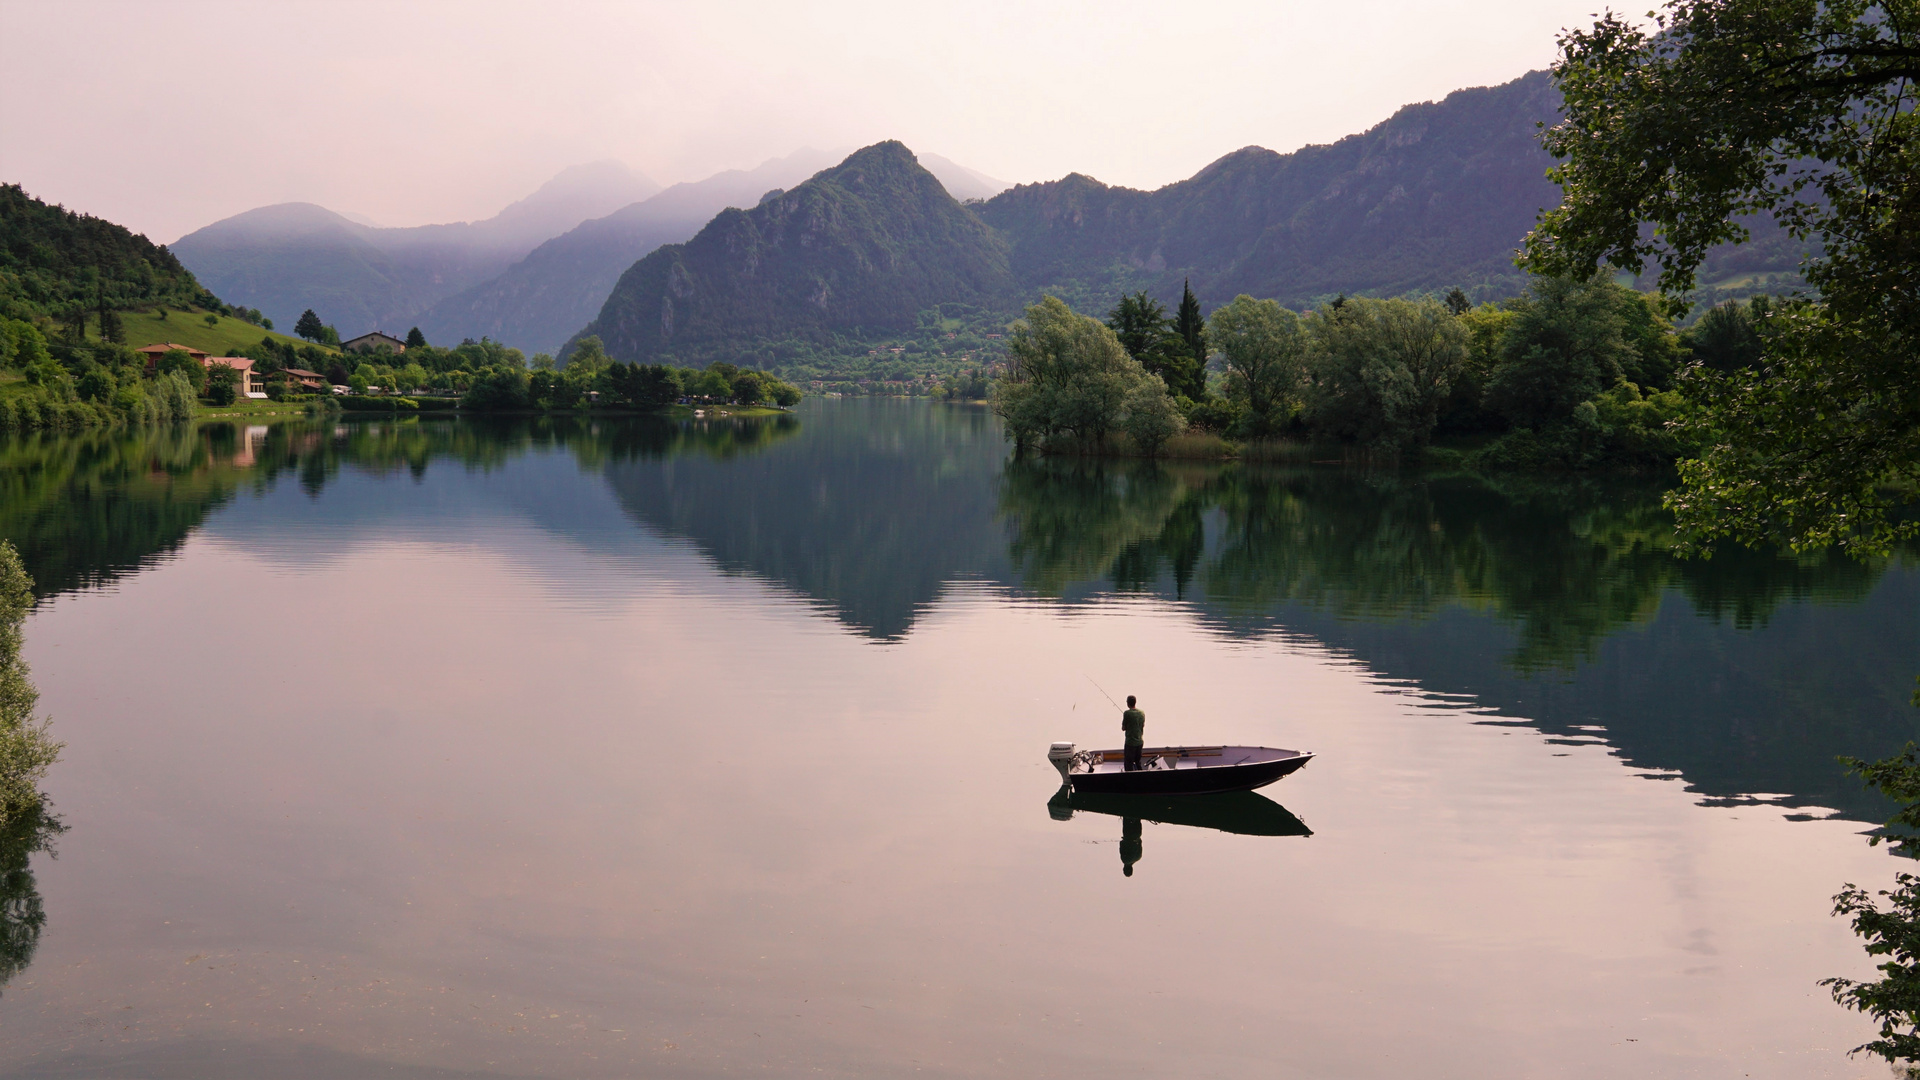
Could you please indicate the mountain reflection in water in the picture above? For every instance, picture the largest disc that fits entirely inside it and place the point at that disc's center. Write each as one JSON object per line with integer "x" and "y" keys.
{"x": 1554, "y": 602}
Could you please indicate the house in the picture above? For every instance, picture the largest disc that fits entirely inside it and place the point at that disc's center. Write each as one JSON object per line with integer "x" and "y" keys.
{"x": 251, "y": 383}
{"x": 375, "y": 340}
{"x": 152, "y": 353}
{"x": 307, "y": 380}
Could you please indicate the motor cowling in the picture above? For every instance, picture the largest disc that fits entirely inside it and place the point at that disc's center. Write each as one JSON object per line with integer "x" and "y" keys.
{"x": 1061, "y": 754}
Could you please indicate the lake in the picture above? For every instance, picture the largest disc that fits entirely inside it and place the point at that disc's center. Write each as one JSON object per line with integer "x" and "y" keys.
{"x": 640, "y": 748}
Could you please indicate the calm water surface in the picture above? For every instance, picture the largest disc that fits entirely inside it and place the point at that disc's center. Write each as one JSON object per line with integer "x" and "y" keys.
{"x": 642, "y": 749}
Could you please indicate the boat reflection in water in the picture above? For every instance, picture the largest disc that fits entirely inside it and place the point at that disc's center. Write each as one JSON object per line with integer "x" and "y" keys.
{"x": 1246, "y": 812}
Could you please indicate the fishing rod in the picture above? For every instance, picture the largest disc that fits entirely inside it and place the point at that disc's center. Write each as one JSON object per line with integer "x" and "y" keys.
{"x": 1103, "y": 691}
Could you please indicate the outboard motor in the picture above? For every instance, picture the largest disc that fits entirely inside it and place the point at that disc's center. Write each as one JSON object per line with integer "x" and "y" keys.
{"x": 1061, "y": 754}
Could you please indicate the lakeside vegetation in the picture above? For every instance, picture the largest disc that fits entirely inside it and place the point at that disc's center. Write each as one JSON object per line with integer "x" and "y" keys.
{"x": 1568, "y": 375}
{"x": 27, "y": 749}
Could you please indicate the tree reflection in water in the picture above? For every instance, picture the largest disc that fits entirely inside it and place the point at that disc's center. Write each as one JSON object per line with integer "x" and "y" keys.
{"x": 1566, "y": 560}
{"x": 21, "y": 913}
{"x": 84, "y": 509}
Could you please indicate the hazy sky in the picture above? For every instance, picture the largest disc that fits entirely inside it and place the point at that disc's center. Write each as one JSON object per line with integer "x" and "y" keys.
{"x": 166, "y": 116}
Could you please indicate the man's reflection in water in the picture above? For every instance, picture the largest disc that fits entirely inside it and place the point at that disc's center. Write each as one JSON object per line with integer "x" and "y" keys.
{"x": 1129, "y": 844}
{"x": 1245, "y": 812}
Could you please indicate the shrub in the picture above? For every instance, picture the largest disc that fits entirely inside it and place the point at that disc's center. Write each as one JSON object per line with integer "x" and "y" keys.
{"x": 26, "y": 749}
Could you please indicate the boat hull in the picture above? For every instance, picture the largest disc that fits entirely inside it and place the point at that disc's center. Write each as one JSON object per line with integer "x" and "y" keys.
{"x": 1204, "y": 780}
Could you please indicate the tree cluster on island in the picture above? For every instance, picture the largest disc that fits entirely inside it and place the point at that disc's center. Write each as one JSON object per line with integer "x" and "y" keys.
{"x": 1570, "y": 374}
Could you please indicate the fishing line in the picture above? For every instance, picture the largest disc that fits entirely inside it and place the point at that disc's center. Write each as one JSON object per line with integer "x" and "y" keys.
{"x": 1103, "y": 691}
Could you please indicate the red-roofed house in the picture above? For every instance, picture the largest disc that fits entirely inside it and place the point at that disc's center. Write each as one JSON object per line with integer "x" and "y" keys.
{"x": 154, "y": 352}
{"x": 251, "y": 383}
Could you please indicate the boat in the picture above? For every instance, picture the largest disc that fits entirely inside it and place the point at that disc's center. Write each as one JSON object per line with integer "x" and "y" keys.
{"x": 1174, "y": 770}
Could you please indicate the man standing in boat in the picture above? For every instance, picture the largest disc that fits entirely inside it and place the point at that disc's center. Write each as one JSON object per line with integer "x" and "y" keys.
{"x": 1134, "y": 723}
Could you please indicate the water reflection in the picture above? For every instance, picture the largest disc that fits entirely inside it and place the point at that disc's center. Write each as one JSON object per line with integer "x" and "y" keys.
{"x": 22, "y": 916}
{"x": 1248, "y": 813}
{"x": 1556, "y": 602}
{"x": 86, "y": 509}
{"x": 1567, "y": 561}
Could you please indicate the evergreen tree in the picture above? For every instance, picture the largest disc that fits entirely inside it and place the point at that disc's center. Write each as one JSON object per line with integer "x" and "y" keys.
{"x": 416, "y": 339}
{"x": 110, "y": 328}
{"x": 1141, "y": 324}
{"x": 1192, "y": 329}
{"x": 310, "y": 326}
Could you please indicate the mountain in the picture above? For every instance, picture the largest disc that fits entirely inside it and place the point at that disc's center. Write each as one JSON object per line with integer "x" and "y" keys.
{"x": 961, "y": 182}
{"x": 52, "y": 258}
{"x": 535, "y": 304}
{"x": 284, "y": 259}
{"x": 1438, "y": 195}
{"x": 861, "y": 247}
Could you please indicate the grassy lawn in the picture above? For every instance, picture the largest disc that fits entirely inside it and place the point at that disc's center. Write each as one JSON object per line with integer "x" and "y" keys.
{"x": 686, "y": 411}
{"x": 250, "y": 409}
{"x": 225, "y": 338}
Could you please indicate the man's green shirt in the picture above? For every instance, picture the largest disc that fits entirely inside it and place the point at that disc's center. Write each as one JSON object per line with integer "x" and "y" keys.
{"x": 1134, "y": 723}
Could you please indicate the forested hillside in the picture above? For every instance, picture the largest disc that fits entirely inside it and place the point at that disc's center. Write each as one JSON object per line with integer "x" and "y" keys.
{"x": 53, "y": 260}
{"x": 1438, "y": 196}
{"x": 862, "y": 247}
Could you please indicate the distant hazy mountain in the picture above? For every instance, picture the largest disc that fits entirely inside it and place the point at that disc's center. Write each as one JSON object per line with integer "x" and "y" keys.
{"x": 961, "y": 182}
{"x": 536, "y": 303}
{"x": 287, "y": 258}
{"x": 864, "y": 245}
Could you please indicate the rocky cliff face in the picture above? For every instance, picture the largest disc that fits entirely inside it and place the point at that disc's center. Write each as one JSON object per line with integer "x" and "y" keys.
{"x": 863, "y": 246}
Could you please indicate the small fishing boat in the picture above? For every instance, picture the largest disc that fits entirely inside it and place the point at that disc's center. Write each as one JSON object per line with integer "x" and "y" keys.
{"x": 1174, "y": 770}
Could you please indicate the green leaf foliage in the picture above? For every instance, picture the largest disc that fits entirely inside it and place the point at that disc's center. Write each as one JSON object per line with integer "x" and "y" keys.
{"x": 27, "y": 751}
{"x": 1381, "y": 369}
{"x": 1728, "y": 111}
{"x": 54, "y": 262}
{"x": 1072, "y": 381}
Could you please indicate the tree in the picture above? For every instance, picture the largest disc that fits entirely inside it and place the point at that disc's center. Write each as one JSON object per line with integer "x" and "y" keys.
{"x": 96, "y": 383}
{"x": 497, "y": 390}
{"x": 1566, "y": 344}
{"x": 222, "y": 384}
{"x": 110, "y": 327}
{"x": 1727, "y": 337}
{"x": 26, "y": 748}
{"x": 1728, "y": 109}
{"x": 746, "y": 388}
{"x": 1071, "y": 377}
{"x": 1381, "y": 368}
{"x": 1192, "y": 329}
{"x": 416, "y": 339}
{"x": 786, "y": 396}
{"x": 1457, "y": 302}
{"x": 309, "y": 326}
{"x": 1892, "y": 932}
{"x": 181, "y": 361}
{"x": 1265, "y": 352}
{"x": 210, "y": 319}
{"x": 1141, "y": 324}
